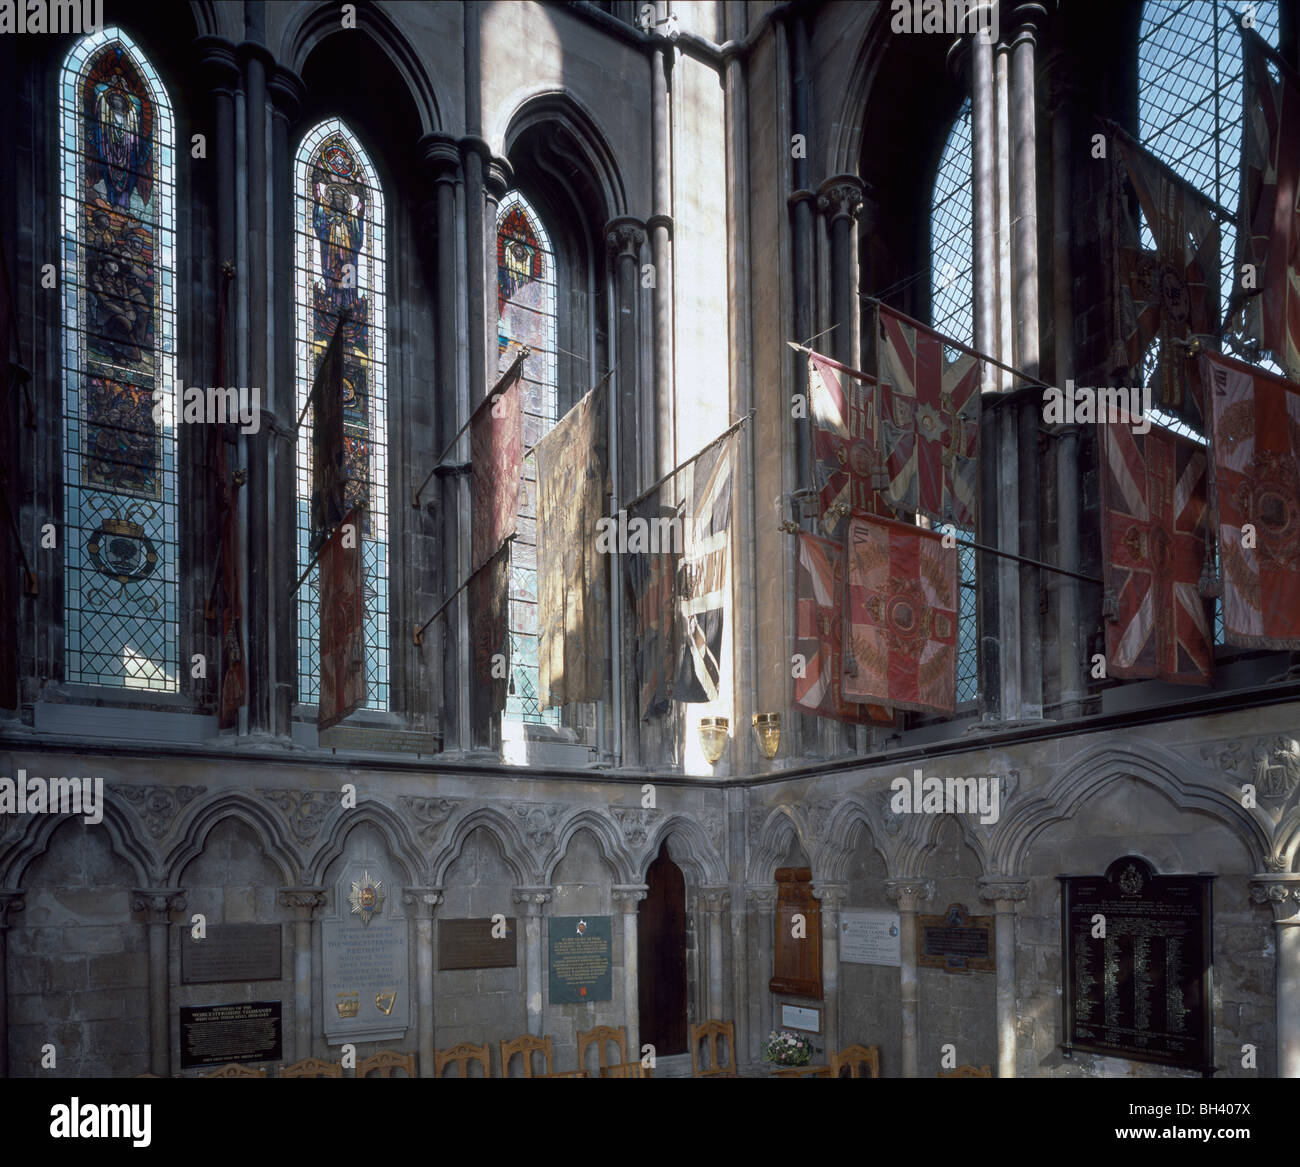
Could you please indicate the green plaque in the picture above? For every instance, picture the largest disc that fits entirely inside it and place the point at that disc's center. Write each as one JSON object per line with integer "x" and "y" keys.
{"x": 580, "y": 964}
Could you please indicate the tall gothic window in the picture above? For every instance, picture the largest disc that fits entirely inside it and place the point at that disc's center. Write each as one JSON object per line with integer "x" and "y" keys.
{"x": 526, "y": 315}
{"x": 117, "y": 195}
{"x": 340, "y": 265}
{"x": 952, "y": 298}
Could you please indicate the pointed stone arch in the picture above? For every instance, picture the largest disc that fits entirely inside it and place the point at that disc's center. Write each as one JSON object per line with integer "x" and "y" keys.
{"x": 205, "y": 813}
{"x": 689, "y": 847}
{"x": 782, "y": 823}
{"x": 836, "y": 848}
{"x": 609, "y": 841}
{"x": 508, "y": 837}
{"x": 402, "y": 844}
{"x": 126, "y": 841}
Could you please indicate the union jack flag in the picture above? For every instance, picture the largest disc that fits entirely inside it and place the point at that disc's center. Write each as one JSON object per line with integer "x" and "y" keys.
{"x": 843, "y": 409}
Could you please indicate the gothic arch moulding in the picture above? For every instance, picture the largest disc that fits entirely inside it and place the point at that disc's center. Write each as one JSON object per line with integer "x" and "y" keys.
{"x": 609, "y": 842}
{"x": 836, "y": 846}
{"x": 206, "y": 813}
{"x": 507, "y": 835}
{"x": 689, "y": 847}
{"x": 392, "y": 826}
{"x": 772, "y": 829}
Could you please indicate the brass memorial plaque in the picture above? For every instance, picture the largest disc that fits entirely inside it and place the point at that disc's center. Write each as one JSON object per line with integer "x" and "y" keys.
{"x": 955, "y": 942}
{"x": 471, "y": 944}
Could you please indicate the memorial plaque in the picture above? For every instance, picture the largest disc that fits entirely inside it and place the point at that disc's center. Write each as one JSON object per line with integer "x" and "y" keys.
{"x": 231, "y": 952}
{"x": 797, "y": 943}
{"x": 801, "y": 1017}
{"x": 246, "y": 1031}
{"x": 955, "y": 942}
{"x": 580, "y": 964}
{"x": 869, "y": 937}
{"x": 366, "y": 973}
{"x": 1142, "y": 991}
{"x": 470, "y": 944}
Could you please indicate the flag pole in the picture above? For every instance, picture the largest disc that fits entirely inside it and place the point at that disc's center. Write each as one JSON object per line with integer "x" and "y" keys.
{"x": 417, "y": 636}
{"x": 649, "y": 490}
{"x": 359, "y": 508}
{"x": 344, "y": 317}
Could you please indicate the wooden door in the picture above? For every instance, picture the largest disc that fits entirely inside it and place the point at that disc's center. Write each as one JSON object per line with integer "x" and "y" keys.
{"x": 661, "y": 957}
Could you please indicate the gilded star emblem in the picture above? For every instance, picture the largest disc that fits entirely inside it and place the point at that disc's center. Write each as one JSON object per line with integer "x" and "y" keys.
{"x": 366, "y": 897}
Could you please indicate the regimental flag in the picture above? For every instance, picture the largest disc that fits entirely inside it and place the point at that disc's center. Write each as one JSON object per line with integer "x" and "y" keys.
{"x": 8, "y": 606}
{"x": 489, "y": 603}
{"x": 1172, "y": 292}
{"x": 496, "y": 446}
{"x": 1255, "y": 436}
{"x": 234, "y": 677}
{"x": 571, "y": 620}
{"x": 703, "y": 573}
{"x": 342, "y": 623}
{"x": 819, "y": 635}
{"x": 329, "y": 473}
{"x": 843, "y": 408}
{"x": 651, "y": 580}
{"x": 929, "y": 421}
{"x": 1154, "y": 522}
{"x": 900, "y": 631}
{"x": 1268, "y": 233}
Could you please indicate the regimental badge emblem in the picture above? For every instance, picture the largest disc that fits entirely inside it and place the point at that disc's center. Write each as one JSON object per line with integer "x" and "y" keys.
{"x": 1130, "y": 882}
{"x": 582, "y": 927}
{"x": 366, "y": 897}
{"x": 385, "y": 1000}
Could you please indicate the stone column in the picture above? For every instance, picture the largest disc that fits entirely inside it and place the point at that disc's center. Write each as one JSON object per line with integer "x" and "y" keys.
{"x": 660, "y": 225}
{"x": 1281, "y": 891}
{"x": 839, "y": 199}
{"x": 628, "y": 895}
{"x": 713, "y": 902}
{"x": 11, "y": 902}
{"x": 533, "y": 901}
{"x": 1004, "y": 893}
{"x": 159, "y": 903}
{"x": 762, "y": 902}
{"x": 302, "y": 901}
{"x": 832, "y": 897}
{"x": 908, "y": 895}
{"x": 421, "y": 904}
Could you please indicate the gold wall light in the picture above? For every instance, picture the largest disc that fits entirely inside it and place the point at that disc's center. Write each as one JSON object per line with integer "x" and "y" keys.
{"x": 713, "y": 737}
{"x": 767, "y": 732}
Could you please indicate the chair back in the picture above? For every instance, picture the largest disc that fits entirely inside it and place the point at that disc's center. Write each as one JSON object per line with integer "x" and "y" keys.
{"x": 527, "y": 1045}
{"x": 710, "y": 1033}
{"x": 966, "y": 1072}
{"x": 385, "y": 1062}
{"x": 311, "y": 1068}
{"x": 626, "y": 1070}
{"x": 235, "y": 1070}
{"x": 860, "y": 1061}
{"x": 462, "y": 1055}
{"x": 601, "y": 1037}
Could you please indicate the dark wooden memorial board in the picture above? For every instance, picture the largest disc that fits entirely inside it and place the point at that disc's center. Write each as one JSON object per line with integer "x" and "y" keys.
{"x": 581, "y": 969}
{"x": 470, "y": 944}
{"x": 245, "y": 1031}
{"x": 797, "y": 960}
{"x": 1144, "y": 991}
{"x": 231, "y": 952}
{"x": 955, "y": 942}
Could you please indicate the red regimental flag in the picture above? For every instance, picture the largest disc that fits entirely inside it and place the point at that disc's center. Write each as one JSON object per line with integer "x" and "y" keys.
{"x": 496, "y": 445}
{"x": 1255, "y": 437}
{"x": 819, "y": 637}
{"x": 929, "y": 422}
{"x": 842, "y": 404}
{"x": 1270, "y": 188}
{"x": 901, "y": 630}
{"x": 342, "y": 624}
{"x": 1154, "y": 514}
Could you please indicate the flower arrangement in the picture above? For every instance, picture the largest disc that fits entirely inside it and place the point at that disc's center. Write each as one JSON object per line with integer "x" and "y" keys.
{"x": 788, "y": 1049}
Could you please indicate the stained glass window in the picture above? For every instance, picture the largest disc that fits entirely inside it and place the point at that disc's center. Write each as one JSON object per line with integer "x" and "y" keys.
{"x": 340, "y": 266}
{"x": 952, "y": 296}
{"x": 526, "y": 316}
{"x": 117, "y": 202}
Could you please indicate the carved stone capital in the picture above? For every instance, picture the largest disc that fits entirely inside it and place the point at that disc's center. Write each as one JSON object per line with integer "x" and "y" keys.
{"x": 1280, "y": 892}
{"x": 840, "y": 197}
{"x": 531, "y": 899}
{"x": 762, "y": 898}
{"x": 11, "y": 902}
{"x": 656, "y": 221}
{"x": 830, "y": 895}
{"x": 157, "y": 902}
{"x": 302, "y": 901}
{"x": 499, "y": 177}
{"x": 440, "y": 156}
{"x": 624, "y": 237}
{"x": 715, "y": 899}
{"x": 218, "y": 62}
{"x": 287, "y": 93}
{"x": 908, "y": 893}
{"x": 629, "y": 895}
{"x": 421, "y": 902}
{"x": 999, "y": 888}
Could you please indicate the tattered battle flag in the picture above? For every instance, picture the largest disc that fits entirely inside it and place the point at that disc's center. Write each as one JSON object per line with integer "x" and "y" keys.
{"x": 929, "y": 421}
{"x": 1169, "y": 293}
{"x": 342, "y": 624}
{"x": 842, "y": 406}
{"x": 651, "y": 579}
{"x": 1154, "y": 519}
{"x": 1268, "y": 234}
{"x": 702, "y": 575}
{"x": 819, "y": 635}
{"x": 489, "y": 600}
{"x": 900, "y": 629}
{"x": 571, "y": 619}
{"x": 329, "y": 473}
{"x": 496, "y": 446}
{"x": 1255, "y": 436}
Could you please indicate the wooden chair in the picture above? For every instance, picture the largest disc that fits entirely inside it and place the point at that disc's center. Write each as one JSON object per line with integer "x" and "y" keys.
{"x": 711, "y": 1031}
{"x": 626, "y": 1070}
{"x": 235, "y": 1070}
{"x": 600, "y": 1037}
{"x": 462, "y": 1055}
{"x": 821, "y": 1071}
{"x": 311, "y": 1068}
{"x": 861, "y": 1061}
{"x": 385, "y": 1062}
{"x": 565, "y": 1074}
{"x": 966, "y": 1072}
{"x": 527, "y": 1045}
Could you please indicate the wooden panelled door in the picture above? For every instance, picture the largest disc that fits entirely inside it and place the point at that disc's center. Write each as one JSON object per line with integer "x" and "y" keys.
{"x": 661, "y": 957}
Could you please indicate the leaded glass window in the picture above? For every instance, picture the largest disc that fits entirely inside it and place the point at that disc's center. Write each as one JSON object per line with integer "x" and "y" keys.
{"x": 339, "y": 217}
{"x": 117, "y": 202}
{"x": 526, "y": 315}
{"x": 952, "y": 297}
